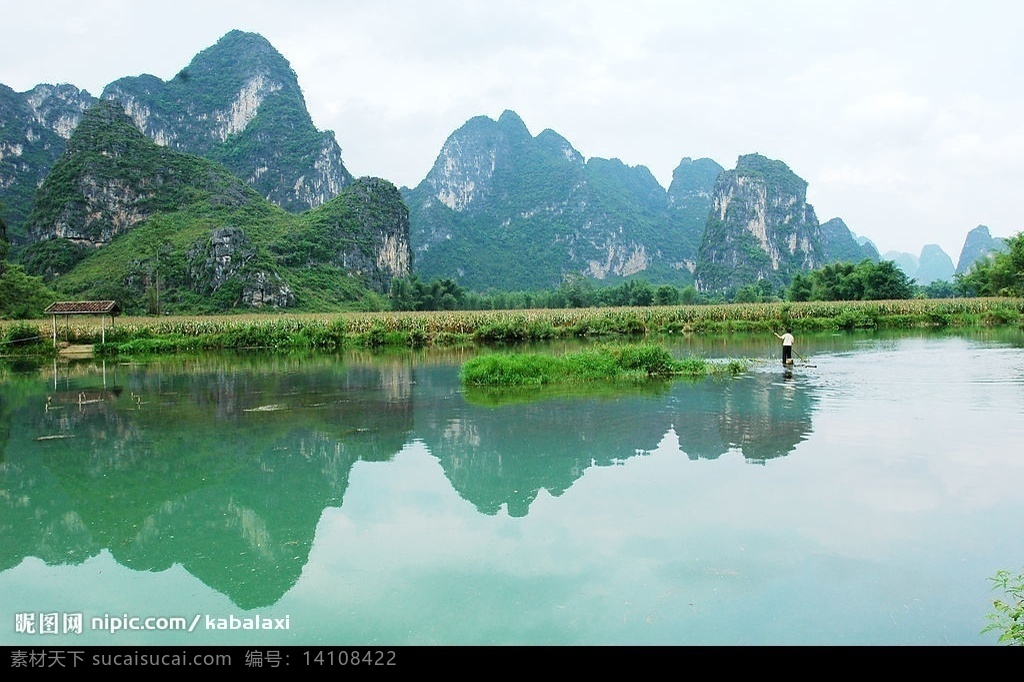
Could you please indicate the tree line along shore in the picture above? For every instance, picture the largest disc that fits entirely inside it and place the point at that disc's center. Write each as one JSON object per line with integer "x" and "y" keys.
{"x": 132, "y": 336}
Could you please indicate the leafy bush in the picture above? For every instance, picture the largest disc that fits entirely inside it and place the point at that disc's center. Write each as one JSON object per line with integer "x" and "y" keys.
{"x": 647, "y": 358}
{"x": 1003, "y": 275}
{"x": 999, "y": 315}
{"x": 855, "y": 319}
{"x": 1008, "y": 617}
{"x": 23, "y": 334}
{"x": 22, "y": 296}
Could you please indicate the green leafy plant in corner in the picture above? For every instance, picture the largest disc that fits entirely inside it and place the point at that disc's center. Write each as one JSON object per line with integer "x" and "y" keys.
{"x": 1008, "y": 616}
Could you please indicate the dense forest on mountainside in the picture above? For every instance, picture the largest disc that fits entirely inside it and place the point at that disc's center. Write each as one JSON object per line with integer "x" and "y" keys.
{"x": 503, "y": 210}
{"x": 121, "y": 218}
{"x": 239, "y": 102}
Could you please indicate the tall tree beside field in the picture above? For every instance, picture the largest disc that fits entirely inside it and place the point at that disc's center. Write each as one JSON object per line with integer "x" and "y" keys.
{"x": 21, "y": 296}
{"x": 4, "y": 244}
{"x": 1001, "y": 276}
{"x": 865, "y": 281}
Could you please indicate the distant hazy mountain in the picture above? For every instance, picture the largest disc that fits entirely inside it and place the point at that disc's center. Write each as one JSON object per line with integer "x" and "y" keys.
{"x": 979, "y": 244}
{"x": 841, "y": 245}
{"x": 934, "y": 265}
{"x": 907, "y": 262}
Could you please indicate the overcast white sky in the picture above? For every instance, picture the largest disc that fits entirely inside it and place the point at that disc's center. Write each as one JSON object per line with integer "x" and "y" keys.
{"x": 905, "y": 117}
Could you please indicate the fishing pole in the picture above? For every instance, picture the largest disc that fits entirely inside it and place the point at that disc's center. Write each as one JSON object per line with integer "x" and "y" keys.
{"x": 804, "y": 359}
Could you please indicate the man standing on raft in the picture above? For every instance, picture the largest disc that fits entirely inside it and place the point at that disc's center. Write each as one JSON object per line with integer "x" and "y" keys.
{"x": 787, "y": 346}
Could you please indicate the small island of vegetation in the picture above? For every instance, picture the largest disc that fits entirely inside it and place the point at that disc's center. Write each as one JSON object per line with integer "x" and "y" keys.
{"x": 625, "y": 362}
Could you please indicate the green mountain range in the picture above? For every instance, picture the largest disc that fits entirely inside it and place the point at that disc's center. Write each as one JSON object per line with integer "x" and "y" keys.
{"x": 214, "y": 191}
{"x": 120, "y": 217}
{"x": 502, "y": 209}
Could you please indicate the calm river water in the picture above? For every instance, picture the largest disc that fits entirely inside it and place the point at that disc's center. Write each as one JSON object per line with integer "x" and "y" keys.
{"x": 863, "y": 498}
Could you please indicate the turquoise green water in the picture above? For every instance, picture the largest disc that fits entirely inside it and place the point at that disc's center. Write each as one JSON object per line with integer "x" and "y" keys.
{"x": 365, "y": 500}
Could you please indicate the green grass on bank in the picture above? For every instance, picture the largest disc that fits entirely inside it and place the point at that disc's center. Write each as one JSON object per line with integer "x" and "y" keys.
{"x": 331, "y": 332}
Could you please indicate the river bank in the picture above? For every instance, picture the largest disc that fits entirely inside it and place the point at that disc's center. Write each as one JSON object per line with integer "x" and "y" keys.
{"x": 132, "y": 336}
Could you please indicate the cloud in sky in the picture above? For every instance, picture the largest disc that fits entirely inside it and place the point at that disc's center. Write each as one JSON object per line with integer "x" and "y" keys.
{"x": 904, "y": 117}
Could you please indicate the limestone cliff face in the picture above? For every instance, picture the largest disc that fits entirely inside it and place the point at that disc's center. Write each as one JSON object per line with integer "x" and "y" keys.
{"x": 689, "y": 201}
{"x": 380, "y": 251}
{"x": 227, "y": 255}
{"x": 58, "y": 107}
{"x": 34, "y": 127}
{"x": 175, "y": 129}
{"x": 620, "y": 259}
{"x": 111, "y": 205}
{"x": 239, "y": 102}
{"x": 87, "y": 199}
{"x": 112, "y": 178}
{"x": 462, "y": 173}
{"x": 459, "y": 185}
{"x": 760, "y": 227}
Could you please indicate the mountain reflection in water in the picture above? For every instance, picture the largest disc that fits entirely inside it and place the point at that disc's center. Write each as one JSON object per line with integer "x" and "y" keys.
{"x": 225, "y": 465}
{"x": 374, "y": 499}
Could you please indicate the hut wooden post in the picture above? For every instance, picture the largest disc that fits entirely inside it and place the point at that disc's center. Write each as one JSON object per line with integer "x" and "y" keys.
{"x": 69, "y": 308}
